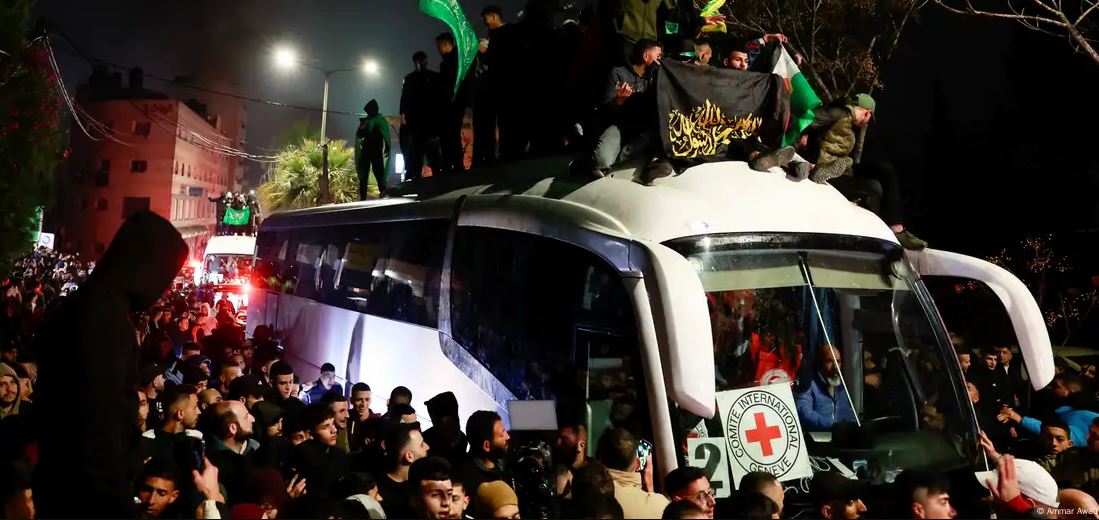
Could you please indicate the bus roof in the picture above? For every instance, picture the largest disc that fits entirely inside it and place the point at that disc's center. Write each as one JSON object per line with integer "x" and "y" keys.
{"x": 231, "y": 245}
{"x": 720, "y": 197}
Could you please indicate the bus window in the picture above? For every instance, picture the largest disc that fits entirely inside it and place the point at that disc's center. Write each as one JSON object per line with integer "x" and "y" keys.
{"x": 871, "y": 370}
{"x": 550, "y": 321}
{"x": 405, "y": 282}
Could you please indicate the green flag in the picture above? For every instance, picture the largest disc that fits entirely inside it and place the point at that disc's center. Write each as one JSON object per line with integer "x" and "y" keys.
{"x": 236, "y": 217}
{"x": 450, "y": 12}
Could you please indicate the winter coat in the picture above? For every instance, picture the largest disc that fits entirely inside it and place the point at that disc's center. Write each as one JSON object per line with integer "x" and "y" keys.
{"x": 819, "y": 411}
{"x": 637, "y": 19}
{"x": 636, "y": 502}
{"x": 831, "y": 134}
{"x": 88, "y": 367}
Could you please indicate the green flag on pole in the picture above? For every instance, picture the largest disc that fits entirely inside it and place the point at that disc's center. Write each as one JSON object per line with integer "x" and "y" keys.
{"x": 450, "y": 12}
{"x": 236, "y": 217}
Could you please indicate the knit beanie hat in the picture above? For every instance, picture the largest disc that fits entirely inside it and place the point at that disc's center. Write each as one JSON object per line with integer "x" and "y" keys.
{"x": 494, "y": 495}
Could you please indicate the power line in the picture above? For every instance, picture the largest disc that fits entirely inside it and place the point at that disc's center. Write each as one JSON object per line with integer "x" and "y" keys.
{"x": 80, "y": 54}
{"x": 107, "y": 131}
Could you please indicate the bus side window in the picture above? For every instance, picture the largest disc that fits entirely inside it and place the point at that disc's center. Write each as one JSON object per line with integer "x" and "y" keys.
{"x": 550, "y": 321}
{"x": 406, "y": 281}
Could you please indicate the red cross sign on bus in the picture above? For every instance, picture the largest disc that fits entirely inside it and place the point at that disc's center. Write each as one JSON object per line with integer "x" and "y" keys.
{"x": 763, "y": 433}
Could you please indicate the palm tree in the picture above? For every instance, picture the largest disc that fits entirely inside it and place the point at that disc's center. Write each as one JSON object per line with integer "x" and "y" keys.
{"x": 293, "y": 179}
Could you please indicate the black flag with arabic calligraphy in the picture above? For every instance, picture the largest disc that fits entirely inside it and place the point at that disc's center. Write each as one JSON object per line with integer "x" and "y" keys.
{"x": 710, "y": 114}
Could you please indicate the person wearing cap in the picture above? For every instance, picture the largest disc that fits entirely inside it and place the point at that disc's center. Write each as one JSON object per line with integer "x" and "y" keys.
{"x": 923, "y": 494}
{"x": 1020, "y": 488}
{"x": 835, "y": 496}
{"x": 497, "y": 500}
{"x": 445, "y": 435}
{"x": 249, "y": 389}
{"x": 150, "y": 380}
{"x": 829, "y": 142}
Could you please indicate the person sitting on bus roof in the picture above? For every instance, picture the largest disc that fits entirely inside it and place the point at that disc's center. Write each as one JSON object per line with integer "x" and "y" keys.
{"x": 825, "y": 403}
{"x": 829, "y": 142}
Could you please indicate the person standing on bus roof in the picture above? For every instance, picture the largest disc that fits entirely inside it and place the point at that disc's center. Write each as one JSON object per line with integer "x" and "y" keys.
{"x": 372, "y": 148}
{"x": 825, "y": 403}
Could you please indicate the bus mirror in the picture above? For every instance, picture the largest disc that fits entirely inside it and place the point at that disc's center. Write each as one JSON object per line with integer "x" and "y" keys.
{"x": 1026, "y": 317}
{"x": 682, "y": 321}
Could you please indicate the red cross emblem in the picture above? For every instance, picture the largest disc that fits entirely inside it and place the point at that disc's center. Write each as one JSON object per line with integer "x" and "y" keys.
{"x": 763, "y": 434}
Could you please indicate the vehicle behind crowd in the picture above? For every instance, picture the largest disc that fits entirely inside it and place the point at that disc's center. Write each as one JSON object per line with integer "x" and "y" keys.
{"x": 642, "y": 308}
{"x": 226, "y": 268}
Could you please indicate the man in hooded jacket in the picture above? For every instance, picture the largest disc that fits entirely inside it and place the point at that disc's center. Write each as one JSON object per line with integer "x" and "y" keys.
{"x": 372, "y": 148}
{"x": 89, "y": 344}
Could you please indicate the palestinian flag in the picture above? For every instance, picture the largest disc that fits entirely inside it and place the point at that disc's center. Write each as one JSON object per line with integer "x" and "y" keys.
{"x": 706, "y": 113}
{"x": 237, "y": 217}
{"x": 774, "y": 59}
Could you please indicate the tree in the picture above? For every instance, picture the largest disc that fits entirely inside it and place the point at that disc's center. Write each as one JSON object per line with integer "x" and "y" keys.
{"x": 844, "y": 43}
{"x": 292, "y": 181}
{"x": 1071, "y": 20}
{"x": 31, "y": 145}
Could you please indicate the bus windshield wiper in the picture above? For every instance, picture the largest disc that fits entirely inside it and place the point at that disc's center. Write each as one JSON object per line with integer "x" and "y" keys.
{"x": 803, "y": 262}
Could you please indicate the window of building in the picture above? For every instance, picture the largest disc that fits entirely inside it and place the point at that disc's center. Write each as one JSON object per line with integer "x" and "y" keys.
{"x": 101, "y": 205}
{"x": 141, "y": 129}
{"x": 138, "y": 166}
{"x": 102, "y": 178}
{"x": 131, "y": 205}
{"x": 105, "y": 165}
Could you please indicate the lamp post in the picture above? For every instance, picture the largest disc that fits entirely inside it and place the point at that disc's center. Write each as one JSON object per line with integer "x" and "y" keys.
{"x": 286, "y": 58}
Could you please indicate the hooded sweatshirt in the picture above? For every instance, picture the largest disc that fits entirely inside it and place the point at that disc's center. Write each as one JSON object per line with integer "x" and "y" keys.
{"x": 88, "y": 367}
{"x": 5, "y": 370}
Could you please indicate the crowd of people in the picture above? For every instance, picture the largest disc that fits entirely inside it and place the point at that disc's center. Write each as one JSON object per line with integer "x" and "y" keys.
{"x": 150, "y": 413}
{"x": 591, "y": 75}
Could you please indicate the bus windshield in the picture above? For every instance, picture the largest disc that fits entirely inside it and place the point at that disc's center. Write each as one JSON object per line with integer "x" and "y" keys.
{"x": 885, "y": 398}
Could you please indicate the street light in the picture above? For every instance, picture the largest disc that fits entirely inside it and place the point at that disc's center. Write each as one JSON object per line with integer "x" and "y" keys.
{"x": 286, "y": 58}
{"x": 371, "y": 67}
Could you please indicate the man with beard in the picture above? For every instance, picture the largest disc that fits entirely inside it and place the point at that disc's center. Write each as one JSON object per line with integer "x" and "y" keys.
{"x": 229, "y": 428}
{"x": 404, "y": 445}
{"x": 488, "y": 445}
{"x": 825, "y": 403}
{"x": 569, "y": 454}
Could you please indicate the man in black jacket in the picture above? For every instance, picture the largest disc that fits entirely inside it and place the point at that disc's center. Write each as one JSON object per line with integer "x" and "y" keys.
{"x": 450, "y": 138}
{"x": 88, "y": 343}
{"x": 421, "y": 105}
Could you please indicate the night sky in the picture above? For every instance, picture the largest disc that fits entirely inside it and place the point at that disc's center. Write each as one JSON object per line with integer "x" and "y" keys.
{"x": 990, "y": 125}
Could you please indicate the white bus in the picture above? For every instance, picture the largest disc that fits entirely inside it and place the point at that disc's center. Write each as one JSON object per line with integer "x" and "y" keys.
{"x": 636, "y": 306}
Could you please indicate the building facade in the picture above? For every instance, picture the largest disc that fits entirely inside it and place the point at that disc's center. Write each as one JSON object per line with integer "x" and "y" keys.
{"x": 160, "y": 155}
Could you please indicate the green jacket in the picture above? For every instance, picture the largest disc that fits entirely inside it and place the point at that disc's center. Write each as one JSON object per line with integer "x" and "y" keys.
{"x": 637, "y": 19}
{"x": 831, "y": 134}
{"x": 373, "y": 134}
{"x": 1075, "y": 467}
